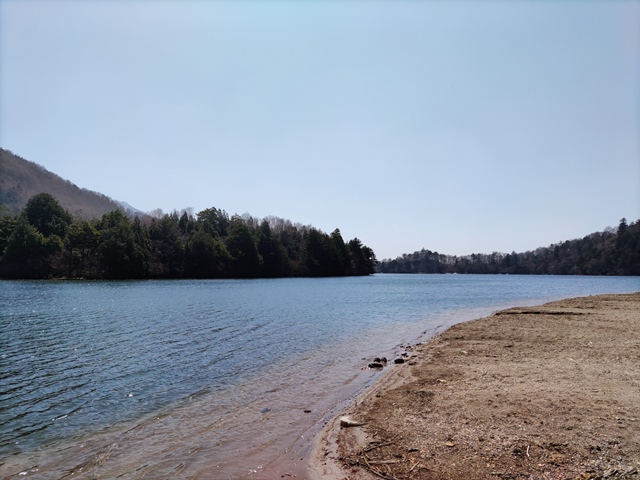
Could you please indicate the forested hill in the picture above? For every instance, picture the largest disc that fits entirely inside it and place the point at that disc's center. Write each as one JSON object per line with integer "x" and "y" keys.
{"x": 20, "y": 179}
{"x": 611, "y": 252}
{"x": 45, "y": 241}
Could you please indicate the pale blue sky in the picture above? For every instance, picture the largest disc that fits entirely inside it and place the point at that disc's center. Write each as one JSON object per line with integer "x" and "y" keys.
{"x": 455, "y": 126}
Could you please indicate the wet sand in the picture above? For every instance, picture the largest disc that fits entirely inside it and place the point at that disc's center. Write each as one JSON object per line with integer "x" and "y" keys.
{"x": 548, "y": 392}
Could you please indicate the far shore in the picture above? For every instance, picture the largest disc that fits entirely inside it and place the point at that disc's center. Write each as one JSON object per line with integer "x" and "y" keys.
{"x": 547, "y": 392}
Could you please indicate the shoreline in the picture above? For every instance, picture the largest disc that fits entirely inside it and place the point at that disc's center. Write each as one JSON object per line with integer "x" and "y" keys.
{"x": 527, "y": 392}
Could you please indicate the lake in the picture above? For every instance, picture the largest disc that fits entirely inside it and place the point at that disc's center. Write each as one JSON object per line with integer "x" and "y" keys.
{"x": 214, "y": 378}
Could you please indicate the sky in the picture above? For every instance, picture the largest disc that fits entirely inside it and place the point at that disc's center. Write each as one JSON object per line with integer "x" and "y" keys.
{"x": 456, "y": 126}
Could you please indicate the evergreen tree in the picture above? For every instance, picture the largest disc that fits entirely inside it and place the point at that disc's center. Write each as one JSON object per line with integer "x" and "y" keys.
{"x": 167, "y": 246}
{"x": 321, "y": 255}
{"x": 342, "y": 252}
{"x": 28, "y": 251}
{"x": 47, "y": 215}
{"x": 123, "y": 248}
{"x": 214, "y": 221}
{"x": 206, "y": 257}
{"x": 81, "y": 245}
{"x": 141, "y": 256}
{"x": 246, "y": 262}
{"x": 186, "y": 224}
{"x": 26, "y": 241}
{"x": 36, "y": 238}
{"x": 274, "y": 259}
{"x": 7, "y": 226}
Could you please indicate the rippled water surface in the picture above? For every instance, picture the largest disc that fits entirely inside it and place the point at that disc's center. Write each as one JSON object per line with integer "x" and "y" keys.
{"x": 212, "y": 379}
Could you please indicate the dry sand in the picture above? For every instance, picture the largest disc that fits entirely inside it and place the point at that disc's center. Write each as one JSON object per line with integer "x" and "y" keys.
{"x": 549, "y": 392}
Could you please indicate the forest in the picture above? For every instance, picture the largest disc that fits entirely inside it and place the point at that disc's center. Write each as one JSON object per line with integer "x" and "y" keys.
{"x": 611, "y": 252}
{"x": 44, "y": 240}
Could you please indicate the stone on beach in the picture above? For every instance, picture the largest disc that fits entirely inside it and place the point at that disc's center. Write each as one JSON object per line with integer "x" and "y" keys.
{"x": 348, "y": 422}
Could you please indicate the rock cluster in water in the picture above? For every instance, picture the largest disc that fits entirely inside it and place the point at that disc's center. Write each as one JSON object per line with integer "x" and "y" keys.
{"x": 381, "y": 362}
{"x": 378, "y": 362}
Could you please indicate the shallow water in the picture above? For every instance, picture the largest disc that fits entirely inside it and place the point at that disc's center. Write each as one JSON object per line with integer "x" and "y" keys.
{"x": 211, "y": 379}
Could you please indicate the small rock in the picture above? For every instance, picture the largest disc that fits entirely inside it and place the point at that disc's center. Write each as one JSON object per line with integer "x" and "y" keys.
{"x": 450, "y": 444}
{"x": 399, "y": 360}
{"x": 347, "y": 422}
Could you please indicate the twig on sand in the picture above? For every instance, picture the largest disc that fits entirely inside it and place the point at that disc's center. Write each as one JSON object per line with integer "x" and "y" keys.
{"x": 374, "y": 471}
{"x": 378, "y": 445}
{"x": 383, "y": 462}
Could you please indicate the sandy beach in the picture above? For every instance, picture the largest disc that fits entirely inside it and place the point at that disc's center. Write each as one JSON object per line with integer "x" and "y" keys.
{"x": 548, "y": 392}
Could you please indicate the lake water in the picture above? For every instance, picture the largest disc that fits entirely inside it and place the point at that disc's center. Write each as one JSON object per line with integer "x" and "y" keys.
{"x": 214, "y": 378}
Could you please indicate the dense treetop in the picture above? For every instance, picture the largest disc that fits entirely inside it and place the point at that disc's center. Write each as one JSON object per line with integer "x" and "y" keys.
{"x": 611, "y": 252}
{"x": 44, "y": 241}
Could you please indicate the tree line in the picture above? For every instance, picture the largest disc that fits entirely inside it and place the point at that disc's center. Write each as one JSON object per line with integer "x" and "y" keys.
{"x": 45, "y": 241}
{"x": 610, "y": 252}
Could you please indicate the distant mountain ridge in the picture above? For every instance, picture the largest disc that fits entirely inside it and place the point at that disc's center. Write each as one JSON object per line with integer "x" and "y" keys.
{"x": 20, "y": 179}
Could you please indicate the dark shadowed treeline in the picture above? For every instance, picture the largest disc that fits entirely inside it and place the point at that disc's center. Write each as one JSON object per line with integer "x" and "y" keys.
{"x": 44, "y": 241}
{"x": 612, "y": 252}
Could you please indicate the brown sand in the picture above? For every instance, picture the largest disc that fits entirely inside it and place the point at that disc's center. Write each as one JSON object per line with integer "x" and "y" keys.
{"x": 549, "y": 392}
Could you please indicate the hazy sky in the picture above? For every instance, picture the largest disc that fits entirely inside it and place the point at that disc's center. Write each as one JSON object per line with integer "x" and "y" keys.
{"x": 455, "y": 126}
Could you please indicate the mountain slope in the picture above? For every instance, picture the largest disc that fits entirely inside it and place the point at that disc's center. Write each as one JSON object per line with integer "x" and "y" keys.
{"x": 20, "y": 179}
